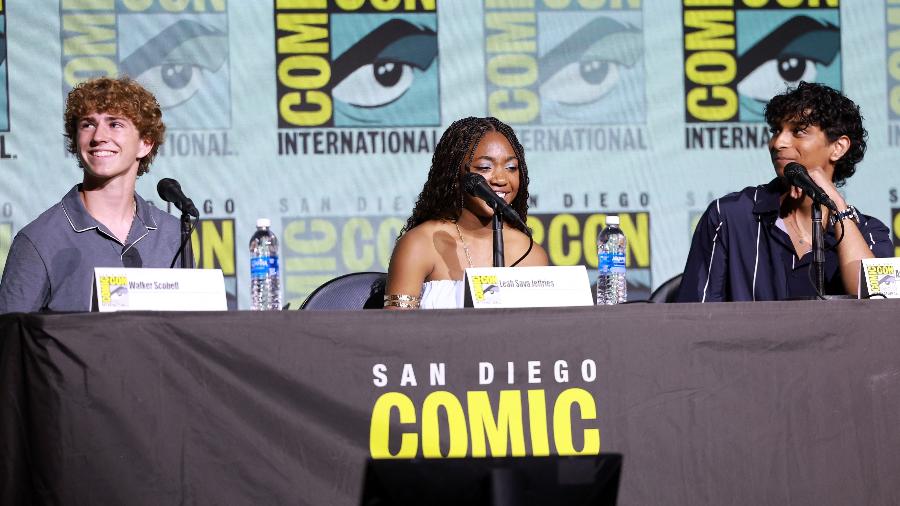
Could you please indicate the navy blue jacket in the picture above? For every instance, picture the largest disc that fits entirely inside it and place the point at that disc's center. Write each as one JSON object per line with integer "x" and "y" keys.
{"x": 740, "y": 254}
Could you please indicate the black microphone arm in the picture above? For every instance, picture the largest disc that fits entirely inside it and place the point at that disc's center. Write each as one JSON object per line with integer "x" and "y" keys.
{"x": 797, "y": 175}
{"x": 170, "y": 191}
{"x": 477, "y": 186}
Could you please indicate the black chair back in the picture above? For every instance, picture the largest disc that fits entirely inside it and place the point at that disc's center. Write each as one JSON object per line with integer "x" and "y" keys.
{"x": 668, "y": 291}
{"x": 357, "y": 290}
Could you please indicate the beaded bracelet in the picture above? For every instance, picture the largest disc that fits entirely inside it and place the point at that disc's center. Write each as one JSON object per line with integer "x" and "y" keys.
{"x": 402, "y": 301}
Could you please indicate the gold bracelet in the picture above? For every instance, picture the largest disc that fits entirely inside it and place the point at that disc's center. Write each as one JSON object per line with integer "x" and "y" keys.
{"x": 402, "y": 301}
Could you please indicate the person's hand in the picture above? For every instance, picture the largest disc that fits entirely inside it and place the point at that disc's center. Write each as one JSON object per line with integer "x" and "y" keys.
{"x": 824, "y": 181}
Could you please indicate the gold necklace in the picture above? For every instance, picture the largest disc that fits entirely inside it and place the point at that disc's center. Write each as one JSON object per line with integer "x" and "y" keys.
{"x": 465, "y": 247}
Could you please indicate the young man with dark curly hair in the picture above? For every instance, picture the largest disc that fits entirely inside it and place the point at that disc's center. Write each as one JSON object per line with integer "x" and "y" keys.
{"x": 114, "y": 128}
{"x": 756, "y": 244}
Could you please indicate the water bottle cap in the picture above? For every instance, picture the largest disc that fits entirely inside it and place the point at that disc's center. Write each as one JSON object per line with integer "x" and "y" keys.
{"x": 612, "y": 219}
{"x": 263, "y": 223}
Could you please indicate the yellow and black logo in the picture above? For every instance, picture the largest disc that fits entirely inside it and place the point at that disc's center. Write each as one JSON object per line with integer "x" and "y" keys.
{"x": 565, "y": 62}
{"x": 315, "y": 250}
{"x": 176, "y": 49}
{"x": 892, "y": 34}
{"x": 214, "y": 247}
{"x": 356, "y": 63}
{"x": 740, "y": 53}
{"x": 571, "y": 239}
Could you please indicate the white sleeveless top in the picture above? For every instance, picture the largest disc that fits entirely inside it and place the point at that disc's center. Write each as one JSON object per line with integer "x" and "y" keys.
{"x": 442, "y": 294}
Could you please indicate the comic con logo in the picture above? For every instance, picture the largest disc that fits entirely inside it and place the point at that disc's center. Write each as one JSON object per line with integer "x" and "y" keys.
{"x": 739, "y": 54}
{"x": 176, "y": 49}
{"x": 357, "y": 63}
{"x": 562, "y": 62}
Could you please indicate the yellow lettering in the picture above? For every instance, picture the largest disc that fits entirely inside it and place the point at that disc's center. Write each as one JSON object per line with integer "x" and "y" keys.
{"x": 561, "y": 248}
{"x": 562, "y": 422}
{"x": 93, "y": 39}
{"x": 507, "y": 427}
{"x": 301, "y": 4}
{"x": 724, "y": 110}
{"x": 516, "y": 32}
{"x": 290, "y": 101}
{"x": 380, "y": 426}
{"x": 305, "y": 32}
{"x": 522, "y": 108}
{"x": 81, "y": 69}
{"x": 537, "y": 423}
{"x": 715, "y": 30}
{"x": 638, "y": 235}
{"x": 456, "y": 421}
{"x": 358, "y": 227}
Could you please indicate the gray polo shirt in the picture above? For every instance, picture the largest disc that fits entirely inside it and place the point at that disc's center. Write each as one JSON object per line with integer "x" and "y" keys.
{"x": 51, "y": 261}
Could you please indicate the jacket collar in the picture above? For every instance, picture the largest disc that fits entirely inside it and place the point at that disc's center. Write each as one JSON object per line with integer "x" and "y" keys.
{"x": 767, "y": 200}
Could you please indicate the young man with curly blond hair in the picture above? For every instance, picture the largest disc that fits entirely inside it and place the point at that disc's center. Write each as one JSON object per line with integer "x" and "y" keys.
{"x": 114, "y": 128}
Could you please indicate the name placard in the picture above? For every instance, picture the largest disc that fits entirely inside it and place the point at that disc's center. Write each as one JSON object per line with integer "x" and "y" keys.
{"x": 124, "y": 289}
{"x": 527, "y": 287}
{"x": 880, "y": 276}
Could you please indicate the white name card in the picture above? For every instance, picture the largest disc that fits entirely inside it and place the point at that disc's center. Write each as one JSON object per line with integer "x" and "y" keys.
{"x": 527, "y": 287}
{"x": 880, "y": 275}
{"x": 123, "y": 289}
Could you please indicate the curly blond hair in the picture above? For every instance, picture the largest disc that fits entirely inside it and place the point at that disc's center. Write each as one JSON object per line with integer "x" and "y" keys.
{"x": 121, "y": 96}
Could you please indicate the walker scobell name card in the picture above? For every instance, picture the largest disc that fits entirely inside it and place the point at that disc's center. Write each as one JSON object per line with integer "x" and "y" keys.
{"x": 121, "y": 289}
{"x": 880, "y": 276}
{"x": 528, "y": 287}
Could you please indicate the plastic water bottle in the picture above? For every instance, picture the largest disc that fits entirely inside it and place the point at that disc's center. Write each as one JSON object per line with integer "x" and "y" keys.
{"x": 265, "y": 286}
{"x": 611, "y": 286}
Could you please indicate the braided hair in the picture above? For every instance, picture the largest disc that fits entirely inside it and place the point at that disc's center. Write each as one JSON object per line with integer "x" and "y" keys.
{"x": 442, "y": 195}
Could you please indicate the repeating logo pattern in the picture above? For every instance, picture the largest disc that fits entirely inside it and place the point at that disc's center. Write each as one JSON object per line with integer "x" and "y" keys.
{"x": 357, "y": 64}
{"x": 177, "y": 50}
{"x": 738, "y": 55}
{"x": 564, "y": 63}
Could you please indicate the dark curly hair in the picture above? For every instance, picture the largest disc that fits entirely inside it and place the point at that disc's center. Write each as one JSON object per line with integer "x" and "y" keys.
{"x": 442, "y": 195}
{"x": 121, "y": 96}
{"x": 825, "y": 107}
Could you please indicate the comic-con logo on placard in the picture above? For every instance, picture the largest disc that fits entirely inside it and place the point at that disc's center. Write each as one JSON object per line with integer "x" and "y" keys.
{"x": 177, "y": 49}
{"x": 553, "y": 64}
{"x": 361, "y": 64}
{"x": 738, "y": 54}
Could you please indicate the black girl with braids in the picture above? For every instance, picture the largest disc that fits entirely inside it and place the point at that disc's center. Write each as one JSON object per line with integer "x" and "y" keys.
{"x": 450, "y": 230}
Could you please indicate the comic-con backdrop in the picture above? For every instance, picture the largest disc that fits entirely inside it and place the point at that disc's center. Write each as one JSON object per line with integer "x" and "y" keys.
{"x": 323, "y": 114}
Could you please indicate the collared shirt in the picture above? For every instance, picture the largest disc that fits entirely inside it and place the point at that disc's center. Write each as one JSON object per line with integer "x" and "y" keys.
{"x": 741, "y": 251}
{"x": 51, "y": 262}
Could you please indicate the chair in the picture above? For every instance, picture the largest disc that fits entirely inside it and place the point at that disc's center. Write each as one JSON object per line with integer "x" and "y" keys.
{"x": 357, "y": 290}
{"x": 668, "y": 291}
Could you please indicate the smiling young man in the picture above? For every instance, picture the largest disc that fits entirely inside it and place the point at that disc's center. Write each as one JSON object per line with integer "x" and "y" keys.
{"x": 114, "y": 128}
{"x": 756, "y": 244}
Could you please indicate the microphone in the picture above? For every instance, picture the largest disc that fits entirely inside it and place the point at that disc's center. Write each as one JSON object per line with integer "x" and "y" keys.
{"x": 170, "y": 191}
{"x": 477, "y": 186}
{"x": 796, "y": 175}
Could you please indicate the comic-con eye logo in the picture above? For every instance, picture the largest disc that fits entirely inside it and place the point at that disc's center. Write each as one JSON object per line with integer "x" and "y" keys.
{"x": 177, "y": 50}
{"x": 352, "y": 65}
{"x": 738, "y": 58}
{"x": 798, "y": 48}
{"x": 562, "y": 63}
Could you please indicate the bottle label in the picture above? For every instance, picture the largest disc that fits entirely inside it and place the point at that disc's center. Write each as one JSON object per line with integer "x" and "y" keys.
{"x": 609, "y": 262}
{"x": 260, "y": 267}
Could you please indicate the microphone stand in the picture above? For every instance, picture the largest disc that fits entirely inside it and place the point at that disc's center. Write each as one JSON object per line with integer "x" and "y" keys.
{"x": 498, "y": 238}
{"x": 818, "y": 241}
{"x": 187, "y": 252}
